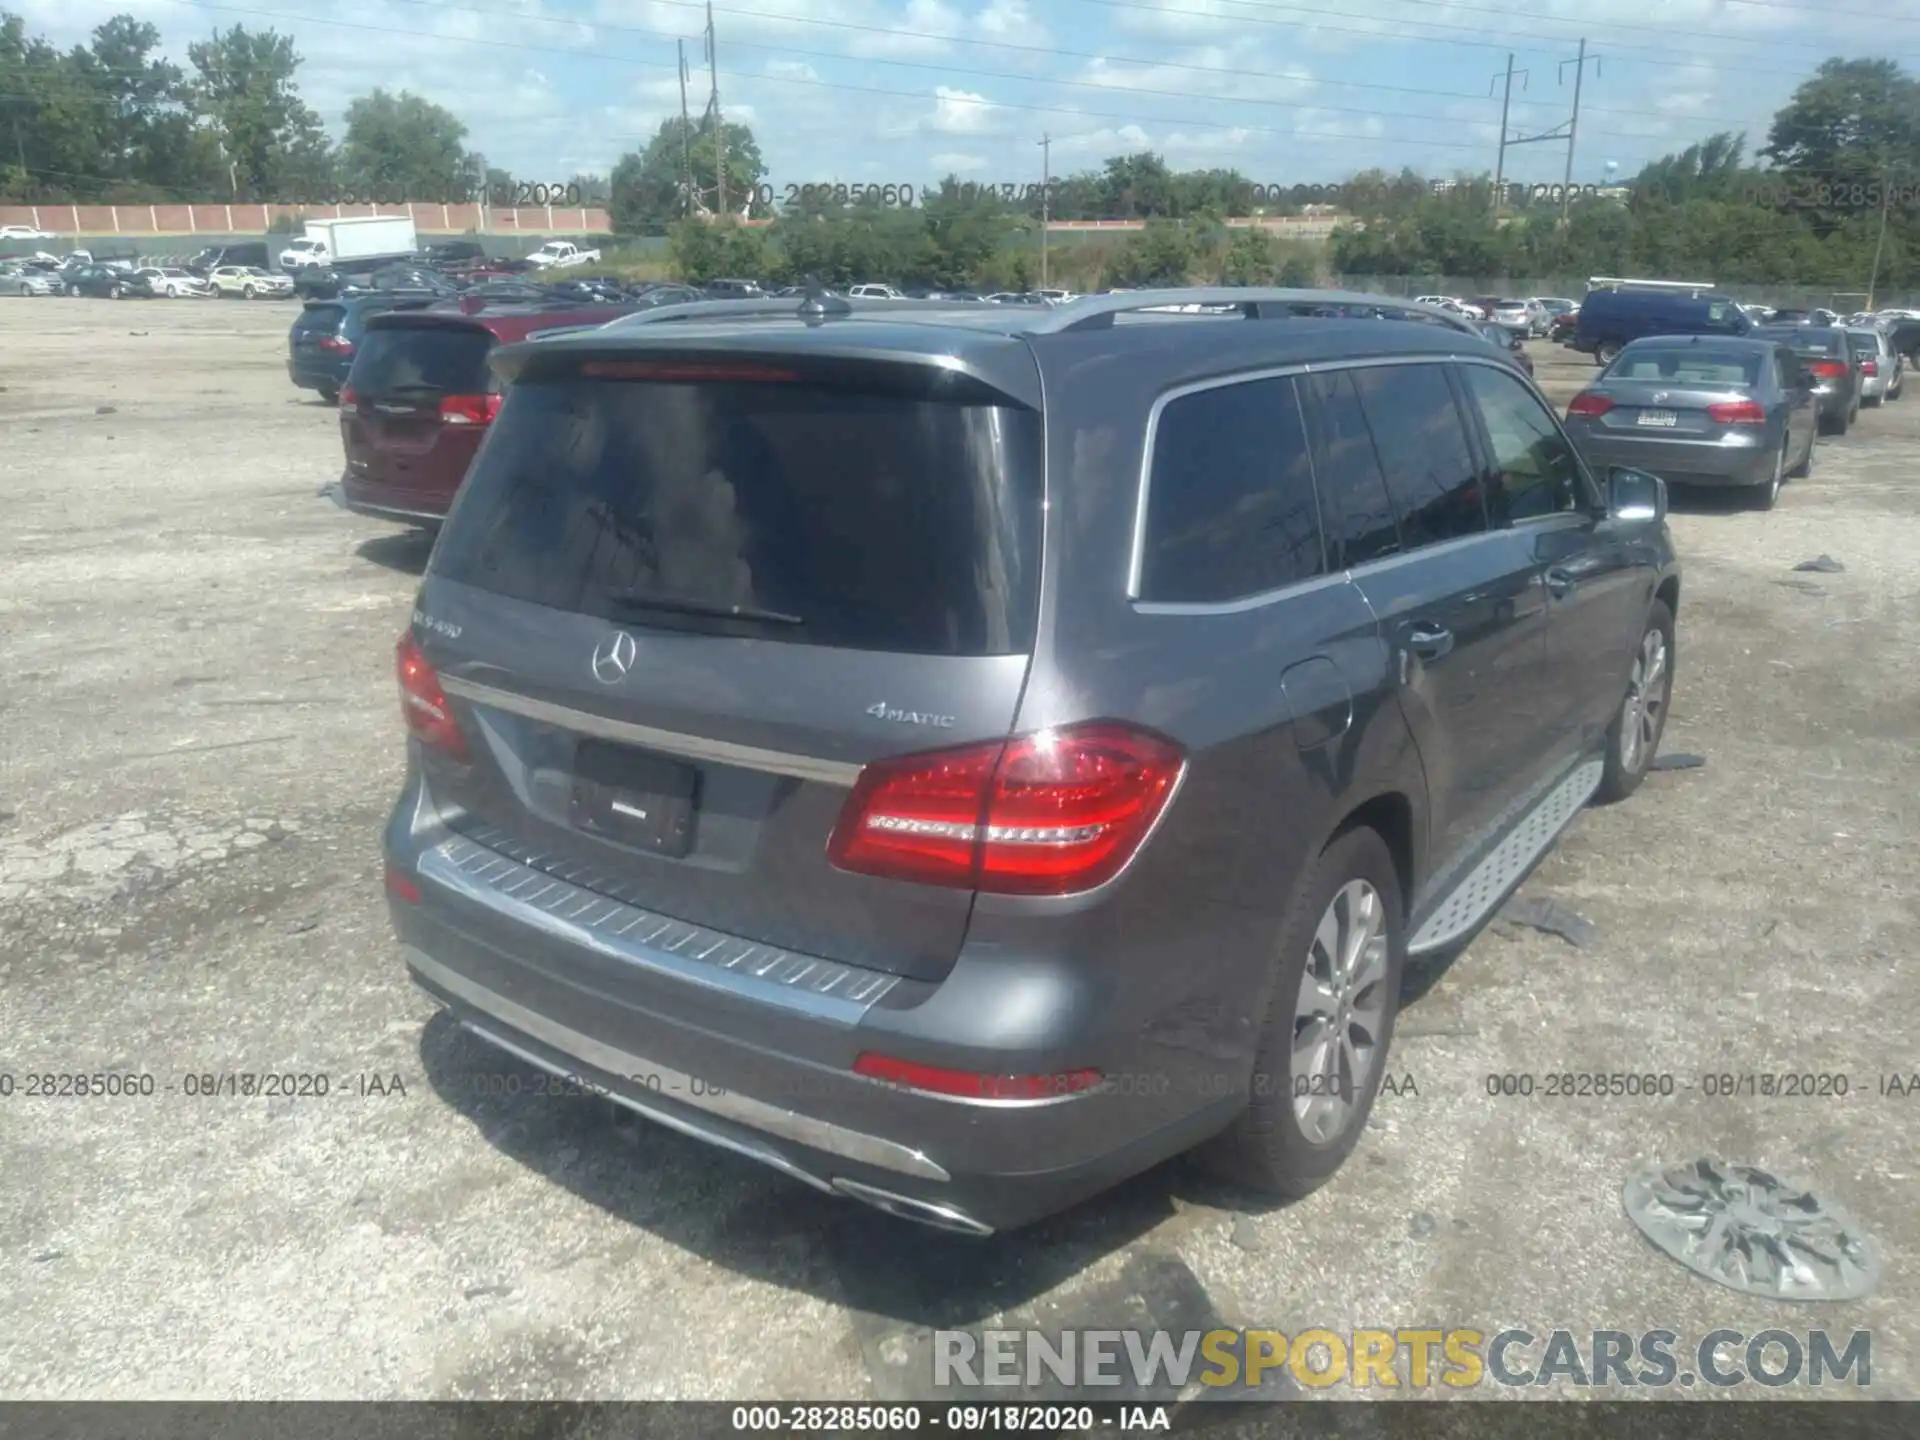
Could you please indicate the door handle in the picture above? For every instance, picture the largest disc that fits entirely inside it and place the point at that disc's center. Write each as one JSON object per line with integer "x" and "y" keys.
{"x": 1559, "y": 582}
{"x": 1429, "y": 642}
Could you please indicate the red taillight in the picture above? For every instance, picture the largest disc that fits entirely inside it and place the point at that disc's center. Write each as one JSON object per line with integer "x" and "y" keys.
{"x": 1589, "y": 405}
{"x": 423, "y": 704}
{"x": 401, "y": 885}
{"x": 1738, "y": 412}
{"x": 336, "y": 344}
{"x": 1828, "y": 369}
{"x": 469, "y": 409}
{"x": 938, "y": 1080}
{"x": 349, "y": 401}
{"x": 1042, "y": 814}
{"x": 1869, "y": 367}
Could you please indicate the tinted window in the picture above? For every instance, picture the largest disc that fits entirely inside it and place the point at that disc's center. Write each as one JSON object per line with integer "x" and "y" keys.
{"x": 1864, "y": 344}
{"x": 1353, "y": 489}
{"x": 449, "y": 360}
{"x": 882, "y": 521}
{"x": 1534, "y": 470}
{"x": 1422, "y": 444}
{"x": 1230, "y": 503}
{"x": 319, "y": 319}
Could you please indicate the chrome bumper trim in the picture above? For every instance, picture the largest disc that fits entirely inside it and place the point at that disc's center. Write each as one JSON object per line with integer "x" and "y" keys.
{"x": 687, "y": 747}
{"x": 651, "y": 1078}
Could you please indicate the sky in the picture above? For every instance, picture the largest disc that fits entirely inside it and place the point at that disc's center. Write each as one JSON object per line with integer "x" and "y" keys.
{"x": 905, "y": 91}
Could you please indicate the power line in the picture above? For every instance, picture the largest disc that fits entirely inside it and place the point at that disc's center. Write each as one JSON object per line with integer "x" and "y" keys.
{"x": 945, "y": 70}
{"x": 1737, "y": 122}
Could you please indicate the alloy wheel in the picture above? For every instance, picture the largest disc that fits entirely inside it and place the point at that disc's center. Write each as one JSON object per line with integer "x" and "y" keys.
{"x": 1340, "y": 1013}
{"x": 1646, "y": 704}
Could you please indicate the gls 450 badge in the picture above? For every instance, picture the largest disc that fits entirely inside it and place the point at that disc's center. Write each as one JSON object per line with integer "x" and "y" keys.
{"x": 438, "y": 627}
{"x": 883, "y": 711}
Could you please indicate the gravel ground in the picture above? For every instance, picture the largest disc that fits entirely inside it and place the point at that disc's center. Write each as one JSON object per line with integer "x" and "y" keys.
{"x": 199, "y": 740}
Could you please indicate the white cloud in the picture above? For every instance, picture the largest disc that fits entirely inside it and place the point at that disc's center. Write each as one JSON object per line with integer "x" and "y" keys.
{"x": 960, "y": 112}
{"x": 1010, "y": 22}
{"x": 1125, "y": 140}
{"x": 949, "y": 160}
{"x": 1186, "y": 19}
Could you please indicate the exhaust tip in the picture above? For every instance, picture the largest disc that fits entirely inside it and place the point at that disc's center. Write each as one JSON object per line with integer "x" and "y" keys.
{"x": 922, "y": 1212}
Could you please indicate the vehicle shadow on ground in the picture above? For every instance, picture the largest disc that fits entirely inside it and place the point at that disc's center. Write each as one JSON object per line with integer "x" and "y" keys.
{"x": 407, "y": 551}
{"x": 897, "y": 1281}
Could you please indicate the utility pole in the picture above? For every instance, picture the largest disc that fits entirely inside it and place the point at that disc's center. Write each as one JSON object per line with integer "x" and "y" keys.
{"x": 1046, "y": 213}
{"x": 1573, "y": 125}
{"x": 686, "y": 135}
{"x": 713, "y": 104}
{"x": 1886, "y": 196}
{"x": 1563, "y": 131}
{"x": 1506, "y": 103}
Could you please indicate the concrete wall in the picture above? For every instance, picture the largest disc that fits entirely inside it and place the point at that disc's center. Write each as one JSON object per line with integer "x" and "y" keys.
{"x": 221, "y": 220}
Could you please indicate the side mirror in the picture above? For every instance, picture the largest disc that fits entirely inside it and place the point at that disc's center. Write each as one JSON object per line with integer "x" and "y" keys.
{"x": 1635, "y": 495}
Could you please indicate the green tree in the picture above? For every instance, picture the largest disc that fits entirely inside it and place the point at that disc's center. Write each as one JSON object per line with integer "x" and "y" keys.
{"x": 272, "y": 144}
{"x": 706, "y": 250}
{"x": 649, "y": 188}
{"x": 1249, "y": 259}
{"x": 1161, "y": 254}
{"x": 404, "y": 147}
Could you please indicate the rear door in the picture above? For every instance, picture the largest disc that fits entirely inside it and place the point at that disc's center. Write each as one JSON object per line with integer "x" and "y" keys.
{"x": 681, "y": 607}
{"x": 1592, "y": 568}
{"x": 1460, "y": 604}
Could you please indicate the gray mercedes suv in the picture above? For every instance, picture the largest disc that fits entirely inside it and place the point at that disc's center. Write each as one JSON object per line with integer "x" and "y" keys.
{"x": 961, "y": 756}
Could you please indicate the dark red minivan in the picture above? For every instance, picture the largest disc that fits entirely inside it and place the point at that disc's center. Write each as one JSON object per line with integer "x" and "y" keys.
{"x": 420, "y": 398}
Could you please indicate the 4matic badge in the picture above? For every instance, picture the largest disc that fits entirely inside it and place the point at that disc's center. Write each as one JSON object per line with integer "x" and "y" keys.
{"x": 880, "y": 710}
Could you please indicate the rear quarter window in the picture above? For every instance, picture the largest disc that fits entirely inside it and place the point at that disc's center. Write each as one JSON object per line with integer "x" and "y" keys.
{"x": 1231, "y": 509}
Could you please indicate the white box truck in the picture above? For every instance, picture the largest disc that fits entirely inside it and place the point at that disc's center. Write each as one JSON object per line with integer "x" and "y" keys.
{"x": 361, "y": 240}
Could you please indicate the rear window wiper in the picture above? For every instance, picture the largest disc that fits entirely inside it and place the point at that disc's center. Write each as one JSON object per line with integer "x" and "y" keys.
{"x": 670, "y": 606}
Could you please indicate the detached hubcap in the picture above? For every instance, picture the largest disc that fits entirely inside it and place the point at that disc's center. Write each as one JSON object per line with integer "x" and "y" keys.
{"x": 1338, "y": 1016}
{"x": 1646, "y": 702}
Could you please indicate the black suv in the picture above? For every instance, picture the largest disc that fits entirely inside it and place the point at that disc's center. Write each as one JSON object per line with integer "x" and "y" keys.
{"x": 325, "y": 337}
{"x": 962, "y": 755}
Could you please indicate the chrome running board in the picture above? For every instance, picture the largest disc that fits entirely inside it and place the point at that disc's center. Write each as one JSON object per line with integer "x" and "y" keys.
{"x": 1485, "y": 886}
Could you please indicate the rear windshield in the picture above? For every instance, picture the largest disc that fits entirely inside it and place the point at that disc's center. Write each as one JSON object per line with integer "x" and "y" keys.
{"x": 1807, "y": 342}
{"x": 323, "y": 319}
{"x": 873, "y": 521}
{"x": 1688, "y": 365}
{"x": 443, "y": 359}
{"x": 1864, "y": 344}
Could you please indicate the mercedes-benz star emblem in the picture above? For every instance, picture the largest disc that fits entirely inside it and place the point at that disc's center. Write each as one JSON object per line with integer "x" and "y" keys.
{"x": 613, "y": 657}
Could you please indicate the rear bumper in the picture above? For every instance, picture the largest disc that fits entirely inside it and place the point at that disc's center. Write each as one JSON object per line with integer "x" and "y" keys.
{"x": 380, "y": 507}
{"x": 317, "y": 374}
{"x": 1687, "y": 462}
{"x": 763, "y": 1066}
{"x": 386, "y": 502}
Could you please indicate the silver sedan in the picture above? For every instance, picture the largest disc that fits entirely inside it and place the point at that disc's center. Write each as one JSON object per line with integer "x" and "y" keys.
{"x": 1702, "y": 410}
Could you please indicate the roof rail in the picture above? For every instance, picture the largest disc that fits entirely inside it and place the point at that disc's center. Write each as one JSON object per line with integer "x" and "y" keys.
{"x": 831, "y": 306}
{"x": 1096, "y": 312}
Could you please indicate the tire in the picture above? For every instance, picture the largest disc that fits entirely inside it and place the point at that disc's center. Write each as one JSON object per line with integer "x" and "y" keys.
{"x": 1605, "y": 352}
{"x": 247, "y": 292}
{"x": 331, "y": 396}
{"x": 116, "y": 292}
{"x": 1267, "y": 1149}
{"x": 1873, "y": 402}
{"x": 1766, "y": 495}
{"x": 1839, "y": 426}
{"x": 1804, "y": 469}
{"x": 1625, "y": 770}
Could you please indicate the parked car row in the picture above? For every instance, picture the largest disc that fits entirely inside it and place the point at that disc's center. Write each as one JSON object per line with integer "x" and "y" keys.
{"x": 1743, "y": 410}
